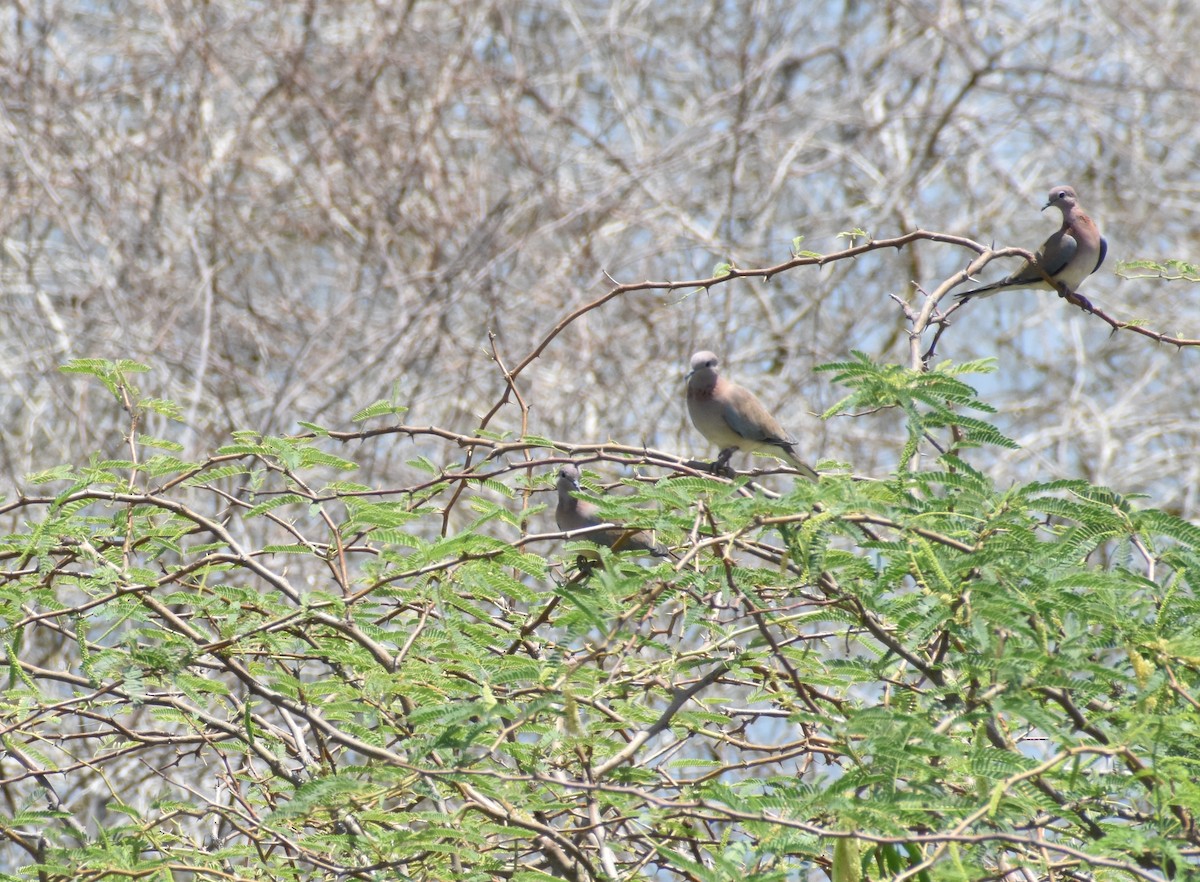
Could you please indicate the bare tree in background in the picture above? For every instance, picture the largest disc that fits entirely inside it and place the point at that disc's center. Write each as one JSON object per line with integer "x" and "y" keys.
{"x": 291, "y": 210}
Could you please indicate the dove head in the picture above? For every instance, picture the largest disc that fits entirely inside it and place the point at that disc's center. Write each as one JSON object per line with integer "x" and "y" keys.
{"x": 568, "y": 478}
{"x": 1061, "y": 197}
{"x": 703, "y": 373}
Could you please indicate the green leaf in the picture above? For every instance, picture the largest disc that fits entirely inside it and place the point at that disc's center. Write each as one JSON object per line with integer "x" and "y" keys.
{"x": 383, "y": 407}
{"x": 160, "y": 443}
{"x": 163, "y": 407}
{"x": 847, "y": 865}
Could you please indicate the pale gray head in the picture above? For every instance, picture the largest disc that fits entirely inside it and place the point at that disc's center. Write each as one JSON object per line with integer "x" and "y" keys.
{"x": 568, "y": 478}
{"x": 704, "y": 368}
{"x": 1061, "y": 197}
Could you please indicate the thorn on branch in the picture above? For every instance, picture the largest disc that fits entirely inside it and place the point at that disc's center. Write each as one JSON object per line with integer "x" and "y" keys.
{"x": 904, "y": 307}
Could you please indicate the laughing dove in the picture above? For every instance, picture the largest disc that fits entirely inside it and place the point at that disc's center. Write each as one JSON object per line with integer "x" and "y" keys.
{"x": 733, "y": 419}
{"x": 1069, "y": 256}
{"x": 579, "y": 514}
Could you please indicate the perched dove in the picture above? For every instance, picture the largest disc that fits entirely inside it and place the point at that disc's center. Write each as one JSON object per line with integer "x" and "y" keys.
{"x": 578, "y": 514}
{"x": 1069, "y": 256}
{"x": 733, "y": 419}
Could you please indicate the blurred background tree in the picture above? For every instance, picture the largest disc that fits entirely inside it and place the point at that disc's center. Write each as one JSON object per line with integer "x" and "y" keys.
{"x": 294, "y": 209}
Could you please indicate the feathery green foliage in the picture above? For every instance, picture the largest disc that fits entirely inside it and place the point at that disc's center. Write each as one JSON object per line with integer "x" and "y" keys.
{"x": 268, "y": 671}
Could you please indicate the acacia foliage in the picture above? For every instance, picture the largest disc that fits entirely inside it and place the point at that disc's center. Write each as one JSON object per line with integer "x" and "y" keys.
{"x": 252, "y": 665}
